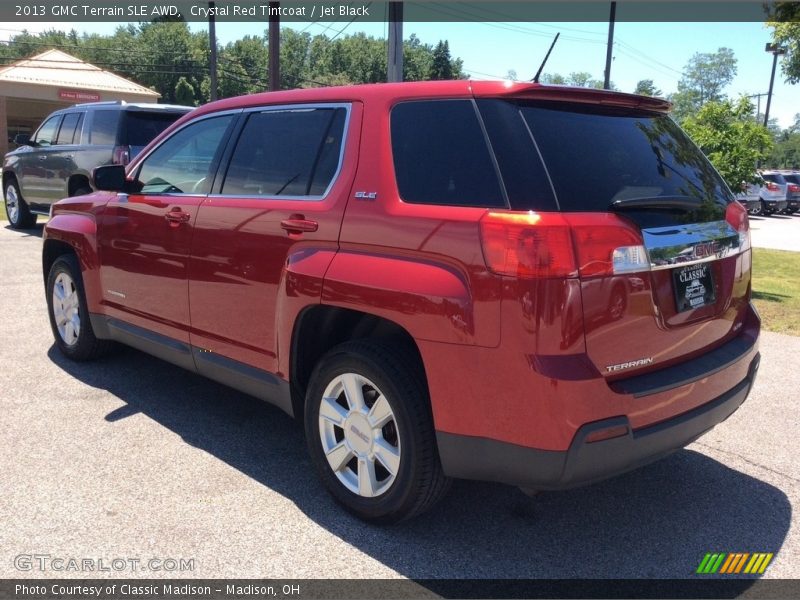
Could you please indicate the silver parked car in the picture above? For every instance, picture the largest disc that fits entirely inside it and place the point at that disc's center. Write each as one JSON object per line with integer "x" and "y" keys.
{"x": 773, "y": 193}
{"x": 793, "y": 192}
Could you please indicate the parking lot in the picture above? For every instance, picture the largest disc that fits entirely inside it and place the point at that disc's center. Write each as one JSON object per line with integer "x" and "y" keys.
{"x": 778, "y": 232}
{"x": 131, "y": 457}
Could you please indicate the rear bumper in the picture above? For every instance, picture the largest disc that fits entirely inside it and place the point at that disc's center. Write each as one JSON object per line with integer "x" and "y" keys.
{"x": 586, "y": 462}
{"x": 775, "y": 205}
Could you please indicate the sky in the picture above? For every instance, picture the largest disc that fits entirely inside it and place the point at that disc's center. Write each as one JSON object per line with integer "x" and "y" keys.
{"x": 657, "y": 51}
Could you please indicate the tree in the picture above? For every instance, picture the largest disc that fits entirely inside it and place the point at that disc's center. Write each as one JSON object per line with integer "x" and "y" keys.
{"x": 647, "y": 87}
{"x": 733, "y": 141}
{"x": 785, "y": 22}
{"x": 705, "y": 77}
{"x": 184, "y": 92}
{"x": 441, "y": 67}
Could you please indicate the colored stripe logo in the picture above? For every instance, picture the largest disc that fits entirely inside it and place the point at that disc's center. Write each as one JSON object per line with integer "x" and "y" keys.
{"x": 732, "y": 563}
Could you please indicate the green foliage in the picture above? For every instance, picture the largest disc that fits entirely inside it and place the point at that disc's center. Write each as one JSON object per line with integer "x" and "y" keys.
{"x": 705, "y": 77}
{"x": 730, "y": 137}
{"x": 442, "y": 65}
{"x": 786, "y": 33}
{"x": 184, "y": 92}
{"x": 160, "y": 54}
{"x": 647, "y": 87}
{"x": 577, "y": 79}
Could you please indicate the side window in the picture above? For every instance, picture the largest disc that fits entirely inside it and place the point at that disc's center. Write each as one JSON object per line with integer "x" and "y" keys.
{"x": 287, "y": 153}
{"x": 440, "y": 155}
{"x": 184, "y": 163}
{"x": 46, "y": 136}
{"x": 70, "y": 132}
{"x": 104, "y": 127}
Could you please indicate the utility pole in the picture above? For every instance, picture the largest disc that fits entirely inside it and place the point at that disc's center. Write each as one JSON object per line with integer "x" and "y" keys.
{"x": 212, "y": 44}
{"x": 776, "y": 50}
{"x": 610, "y": 47}
{"x": 274, "y": 47}
{"x": 395, "y": 45}
{"x": 758, "y": 99}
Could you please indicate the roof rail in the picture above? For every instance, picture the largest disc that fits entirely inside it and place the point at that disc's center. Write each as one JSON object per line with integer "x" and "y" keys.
{"x": 106, "y": 103}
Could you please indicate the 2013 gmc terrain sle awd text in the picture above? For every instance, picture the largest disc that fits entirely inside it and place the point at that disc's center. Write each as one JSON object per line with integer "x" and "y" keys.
{"x": 535, "y": 285}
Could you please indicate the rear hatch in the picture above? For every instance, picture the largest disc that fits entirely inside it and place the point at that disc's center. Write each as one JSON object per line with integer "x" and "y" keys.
{"x": 661, "y": 249}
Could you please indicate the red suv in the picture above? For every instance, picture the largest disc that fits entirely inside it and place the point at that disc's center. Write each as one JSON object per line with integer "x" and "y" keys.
{"x": 542, "y": 286}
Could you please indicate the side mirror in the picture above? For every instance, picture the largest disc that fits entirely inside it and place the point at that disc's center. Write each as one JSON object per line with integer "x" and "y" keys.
{"x": 22, "y": 139}
{"x": 109, "y": 178}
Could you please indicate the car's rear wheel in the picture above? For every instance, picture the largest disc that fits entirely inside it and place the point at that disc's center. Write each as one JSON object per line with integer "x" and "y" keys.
{"x": 370, "y": 431}
{"x": 756, "y": 209}
{"x": 69, "y": 315}
{"x": 17, "y": 211}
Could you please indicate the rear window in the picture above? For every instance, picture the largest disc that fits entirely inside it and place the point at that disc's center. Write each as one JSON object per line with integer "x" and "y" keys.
{"x": 104, "y": 128}
{"x": 596, "y": 157}
{"x": 774, "y": 178}
{"x": 141, "y": 127}
{"x": 792, "y": 178}
{"x": 441, "y": 156}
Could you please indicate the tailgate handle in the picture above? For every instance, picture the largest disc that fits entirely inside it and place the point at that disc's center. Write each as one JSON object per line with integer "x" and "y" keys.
{"x": 299, "y": 224}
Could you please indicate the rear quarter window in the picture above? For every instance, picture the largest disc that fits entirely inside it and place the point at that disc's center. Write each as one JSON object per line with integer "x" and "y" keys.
{"x": 139, "y": 128}
{"x": 104, "y": 128}
{"x": 441, "y": 156}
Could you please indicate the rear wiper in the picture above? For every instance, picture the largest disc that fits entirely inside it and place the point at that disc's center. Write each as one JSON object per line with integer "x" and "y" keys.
{"x": 653, "y": 202}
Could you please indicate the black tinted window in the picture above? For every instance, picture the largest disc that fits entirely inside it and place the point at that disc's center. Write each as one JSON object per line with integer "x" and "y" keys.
{"x": 185, "y": 162}
{"x": 598, "y": 156}
{"x": 140, "y": 128}
{"x": 774, "y": 178}
{"x": 440, "y": 155}
{"x": 792, "y": 178}
{"x": 104, "y": 128}
{"x": 46, "y": 135}
{"x": 286, "y": 153}
{"x": 70, "y": 132}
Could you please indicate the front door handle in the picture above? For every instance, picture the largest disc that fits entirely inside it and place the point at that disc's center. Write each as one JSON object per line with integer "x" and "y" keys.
{"x": 299, "y": 224}
{"x": 176, "y": 216}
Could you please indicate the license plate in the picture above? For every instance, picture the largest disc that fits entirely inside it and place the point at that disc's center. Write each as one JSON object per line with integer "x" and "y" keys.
{"x": 694, "y": 286}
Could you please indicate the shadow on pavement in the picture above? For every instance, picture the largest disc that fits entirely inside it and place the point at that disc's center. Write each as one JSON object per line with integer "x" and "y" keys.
{"x": 35, "y": 231}
{"x": 657, "y": 522}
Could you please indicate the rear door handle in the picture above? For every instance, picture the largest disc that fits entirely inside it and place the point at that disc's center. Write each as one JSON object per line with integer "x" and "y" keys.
{"x": 176, "y": 216}
{"x": 299, "y": 224}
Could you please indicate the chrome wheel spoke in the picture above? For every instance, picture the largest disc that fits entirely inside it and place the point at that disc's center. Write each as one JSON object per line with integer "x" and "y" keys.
{"x": 352, "y": 391}
{"x": 367, "y": 481}
{"x": 331, "y": 411}
{"x": 380, "y": 413}
{"x": 339, "y": 456}
{"x": 388, "y": 455}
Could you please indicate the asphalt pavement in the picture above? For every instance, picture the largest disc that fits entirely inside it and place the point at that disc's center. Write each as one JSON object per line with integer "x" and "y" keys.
{"x": 133, "y": 458}
{"x": 778, "y": 232}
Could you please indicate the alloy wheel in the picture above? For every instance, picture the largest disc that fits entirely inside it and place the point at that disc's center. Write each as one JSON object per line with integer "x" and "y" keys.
{"x": 359, "y": 435}
{"x": 66, "y": 309}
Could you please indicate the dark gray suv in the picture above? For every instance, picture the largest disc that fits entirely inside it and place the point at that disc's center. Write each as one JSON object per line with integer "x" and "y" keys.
{"x": 57, "y": 160}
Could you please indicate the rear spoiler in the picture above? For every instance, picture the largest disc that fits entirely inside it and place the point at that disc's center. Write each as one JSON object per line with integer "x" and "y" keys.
{"x": 563, "y": 93}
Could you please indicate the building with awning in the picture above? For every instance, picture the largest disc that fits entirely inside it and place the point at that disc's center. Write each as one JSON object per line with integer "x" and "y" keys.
{"x": 32, "y": 88}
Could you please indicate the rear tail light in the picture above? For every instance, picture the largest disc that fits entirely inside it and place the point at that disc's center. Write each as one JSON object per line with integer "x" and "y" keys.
{"x": 607, "y": 245}
{"x": 773, "y": 187}
{"x": 736, "y": 216}
{"x": 794, "y": 188}
{"x": 527, "y": 244}
{"x": 121, "y": 155}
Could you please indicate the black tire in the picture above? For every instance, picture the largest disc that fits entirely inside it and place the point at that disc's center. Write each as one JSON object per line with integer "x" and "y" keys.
{"x": 85, "y": 346}
{"x": 419, "y": 481}
{"x": 757, "y": 210}
{"x": 22, "y": 217}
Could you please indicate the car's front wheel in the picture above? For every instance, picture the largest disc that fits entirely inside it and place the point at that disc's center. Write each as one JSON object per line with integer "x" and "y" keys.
{"x": 370, "y": 431}
{"x": 17, "y": 211}
{"x": 69, "y": 314}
